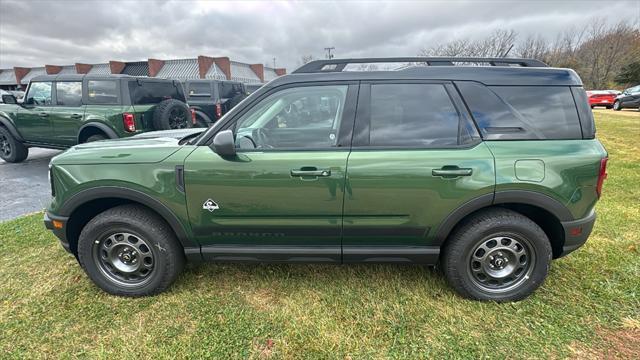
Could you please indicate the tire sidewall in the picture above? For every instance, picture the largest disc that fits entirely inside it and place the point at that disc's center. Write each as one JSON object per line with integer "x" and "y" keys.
{"x": 18, "y": 151}
{"x": 617, "y": 106}
{"x": 539, "y": 244}
{"x": 99, "y": 231}
{"x": 163, "y": 110}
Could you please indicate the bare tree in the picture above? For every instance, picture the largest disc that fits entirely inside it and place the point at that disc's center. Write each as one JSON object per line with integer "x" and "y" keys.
{"x": 496, "y": 44}
{"x": 306, "y": 58}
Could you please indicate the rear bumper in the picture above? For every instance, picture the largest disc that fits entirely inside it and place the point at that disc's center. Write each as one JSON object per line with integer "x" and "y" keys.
{"x": 576, "y": 232}
{"x": 60, "y": 233}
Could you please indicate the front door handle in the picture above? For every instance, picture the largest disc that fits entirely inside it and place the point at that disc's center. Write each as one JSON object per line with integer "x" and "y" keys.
{"x": 76, "y": 116}
{"x": 452, "y": 171}
{"x": 43, "y": 114}
{"x": 311, "y": 172}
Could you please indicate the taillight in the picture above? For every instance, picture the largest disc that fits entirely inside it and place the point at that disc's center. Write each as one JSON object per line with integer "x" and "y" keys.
{"x": 601, "y": 175}
{"x": 129, "y": 121}
{"x": 218, "y": 110}
{"x": 193, "y": 116}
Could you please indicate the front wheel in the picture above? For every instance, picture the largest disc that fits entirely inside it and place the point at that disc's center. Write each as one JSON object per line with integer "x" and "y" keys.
{"x": 130, "y": 251}
{"x": 498, "y": 255}
{"x": 11, "y": 150}
{"x": 617, "y": 106}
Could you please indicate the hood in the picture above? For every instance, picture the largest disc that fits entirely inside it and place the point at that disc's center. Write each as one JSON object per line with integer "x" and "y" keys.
{"x": 141, "y": 149}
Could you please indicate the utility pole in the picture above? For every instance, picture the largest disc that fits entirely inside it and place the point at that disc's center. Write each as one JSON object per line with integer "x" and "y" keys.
{"x": 328, "y": 50}
{"x": 274, "y": 63}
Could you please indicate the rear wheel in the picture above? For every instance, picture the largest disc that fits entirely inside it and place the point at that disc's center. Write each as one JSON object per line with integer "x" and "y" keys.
{"x": 498, "y": 255}
{"x": 11, "y": 150}
{"x": 130, "y": 251}
{"x": 97, "y": 137}
{"x": 617, "y": 106}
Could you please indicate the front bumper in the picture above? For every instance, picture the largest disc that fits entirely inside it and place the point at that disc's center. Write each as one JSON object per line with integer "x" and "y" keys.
{"x": 576, "y": 232}
{"x": 59, "y": 232}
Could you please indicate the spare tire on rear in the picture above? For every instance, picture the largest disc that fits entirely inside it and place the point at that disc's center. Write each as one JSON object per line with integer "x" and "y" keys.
{"x": 172, "y": 114}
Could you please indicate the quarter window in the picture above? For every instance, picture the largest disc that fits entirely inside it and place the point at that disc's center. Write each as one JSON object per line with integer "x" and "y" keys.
{"x": 69, "y": 93}
{"x": 304, "y": 117}
{"x": 39, "y": 94}
{"x": 412, "y": 115}
{"x": 102, "y": 92}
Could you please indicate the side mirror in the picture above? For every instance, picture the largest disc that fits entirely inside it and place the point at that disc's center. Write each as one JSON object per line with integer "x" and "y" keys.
{"x": 9, "y": 99}
{"x": 224, "y": 144}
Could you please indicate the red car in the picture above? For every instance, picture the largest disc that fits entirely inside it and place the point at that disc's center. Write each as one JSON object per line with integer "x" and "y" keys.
{"x": 604, "y": 98}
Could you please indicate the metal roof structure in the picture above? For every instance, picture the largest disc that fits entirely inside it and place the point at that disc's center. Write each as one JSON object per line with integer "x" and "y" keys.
{"x": 68, "y": 69}
{"x": 100, "y": 69}
{"x": 137, "y": 68}
{"x": 215, "y": 72}
{"x": 180, "y": 69}
{"x": 31, "y": 74}
{"x": 269, "y": 74}
{"x": 7, "y": 77}
{"x": 243, "y": 73}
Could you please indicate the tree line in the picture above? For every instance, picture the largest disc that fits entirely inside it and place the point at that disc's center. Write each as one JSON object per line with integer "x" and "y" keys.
{"x": 605, "y": 56}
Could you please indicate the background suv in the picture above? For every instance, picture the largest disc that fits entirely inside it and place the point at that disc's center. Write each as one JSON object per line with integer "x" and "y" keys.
{"x": 60, "y": 111}
{"x": 210, "y": 99}
{"x": 490, "y": 171}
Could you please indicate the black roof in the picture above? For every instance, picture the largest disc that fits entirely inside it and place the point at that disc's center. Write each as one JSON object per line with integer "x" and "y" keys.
{"x": 77, "y": 77}
{"x": 500, "y": 71}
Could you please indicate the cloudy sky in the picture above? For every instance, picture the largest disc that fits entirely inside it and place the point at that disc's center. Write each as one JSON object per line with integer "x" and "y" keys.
{"x": 33, "y": 33}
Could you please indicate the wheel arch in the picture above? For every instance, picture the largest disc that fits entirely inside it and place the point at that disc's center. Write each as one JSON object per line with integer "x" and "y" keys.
{"x": 542, "y": 209}
{"x": 93, "y": 128}
{"x": 10, "y": 126}
{"x": 85, "y": 205}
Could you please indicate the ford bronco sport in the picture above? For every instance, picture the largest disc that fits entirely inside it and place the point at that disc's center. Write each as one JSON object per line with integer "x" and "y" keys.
{"x": 489, "y": 170}
{"x": 60, "y": 111}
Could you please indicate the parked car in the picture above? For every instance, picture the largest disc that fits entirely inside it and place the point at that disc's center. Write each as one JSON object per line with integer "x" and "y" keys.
{"x": 251, "y": 88}
{"x": 426, "y": 165}
{"x": 630, "y": 98}
{"x": 210, "y": 99}
{"x": 604, "y": 98}
{"x": 60, "y": 111}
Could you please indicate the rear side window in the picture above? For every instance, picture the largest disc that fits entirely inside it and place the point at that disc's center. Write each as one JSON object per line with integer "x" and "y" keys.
{"x": 412, "y": 115}
{"x": 199, "y": 89}
{"x": 522, "y": 112}
{"x": 153, "y": 92}
{"x": 103, "y": 92}
{"x": 69, "y": 93}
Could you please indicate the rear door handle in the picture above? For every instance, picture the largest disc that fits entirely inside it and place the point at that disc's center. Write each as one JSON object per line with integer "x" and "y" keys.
{"x": 76, "y": 116}
{"x": 43, "y": 114}
{"x": 311, "y": 172}
{"x": 451, "y": 172}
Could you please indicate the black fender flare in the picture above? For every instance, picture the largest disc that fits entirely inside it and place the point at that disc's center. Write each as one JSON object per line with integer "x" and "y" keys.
{"x": 100, "y": 126}
{"x": 203, "y": 115}
{"x": 103, "y": 192}
{"x": 11, "y": 127}
{"x": 525, "y": 197}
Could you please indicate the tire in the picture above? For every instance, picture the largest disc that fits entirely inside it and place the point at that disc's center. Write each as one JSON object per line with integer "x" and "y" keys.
{"x": 171, "y": 114}
{"x": 617, "y": 106}
{"x": 96, "y": 137}
{"x": 11, "y": 150}
{"x": 468, "y": 256}
{"x": 609, "y": 107}
{"x": 130, "y": 251}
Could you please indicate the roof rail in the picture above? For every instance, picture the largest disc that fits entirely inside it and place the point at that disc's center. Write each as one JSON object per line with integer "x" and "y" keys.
{"x": 338, "y": 65}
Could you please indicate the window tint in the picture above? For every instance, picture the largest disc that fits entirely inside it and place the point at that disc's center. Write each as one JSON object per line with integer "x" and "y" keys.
{"x": 226, "y": 90}
{"x": 153, "y": 92}
{"x": 102, "y": 92}
{"x": 69, "y": 93}
{"x": 522, "y": 112}
{"x": 199, "y": 89}
{"x": 39, "y": 94}
{"x": 304, "y": 117}
{"x": 412, "y": 115}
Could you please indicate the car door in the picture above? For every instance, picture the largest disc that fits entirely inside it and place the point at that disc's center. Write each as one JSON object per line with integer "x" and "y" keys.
{"x": 416, "y": 157}
{"x": 280, "y": 198}
{"x": 68, "y": 113}
{"x": 33, "y": 122}
{"x": 632, "y": 99}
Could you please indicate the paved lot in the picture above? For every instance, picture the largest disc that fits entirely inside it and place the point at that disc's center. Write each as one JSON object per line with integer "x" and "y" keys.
{"x": 24, "y": 187}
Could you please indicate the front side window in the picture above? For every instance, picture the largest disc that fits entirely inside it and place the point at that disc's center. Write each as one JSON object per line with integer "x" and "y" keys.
{"x": 69, "y": 93}
{"x": 39, "y": 94}
{"x": 412, "y": 115}
{"x": 102, "y": 92}
{"x": 303, "y": 117}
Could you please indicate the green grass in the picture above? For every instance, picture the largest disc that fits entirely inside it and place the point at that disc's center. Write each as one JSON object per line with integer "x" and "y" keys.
{"x": 589, "y": 305}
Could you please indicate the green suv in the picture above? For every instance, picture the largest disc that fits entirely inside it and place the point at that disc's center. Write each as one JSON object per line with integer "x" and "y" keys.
{"x": 60, "y": 111}
{"x": 489, "y": 171}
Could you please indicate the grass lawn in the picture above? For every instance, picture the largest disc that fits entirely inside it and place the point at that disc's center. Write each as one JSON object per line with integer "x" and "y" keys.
{"x": 588, "y": 308}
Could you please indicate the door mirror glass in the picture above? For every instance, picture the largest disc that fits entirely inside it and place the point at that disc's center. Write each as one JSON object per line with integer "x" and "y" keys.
{"x": 224, "y": 144}
{"x": 9, "y": 99}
